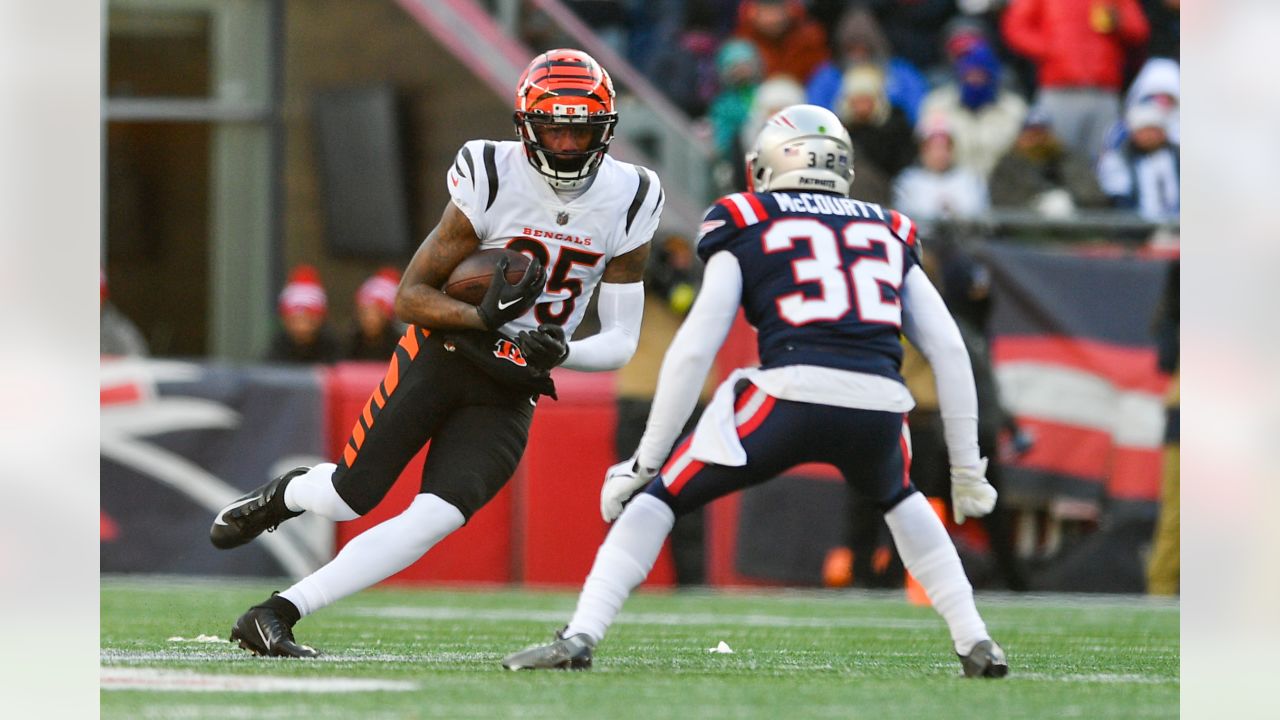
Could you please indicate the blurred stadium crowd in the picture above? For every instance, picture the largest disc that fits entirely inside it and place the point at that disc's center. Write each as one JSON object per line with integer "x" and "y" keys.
{"x": 954, "y": 106}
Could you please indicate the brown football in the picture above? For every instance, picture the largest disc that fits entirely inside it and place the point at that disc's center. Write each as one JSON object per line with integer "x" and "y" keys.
{"x": 471, "y": 278}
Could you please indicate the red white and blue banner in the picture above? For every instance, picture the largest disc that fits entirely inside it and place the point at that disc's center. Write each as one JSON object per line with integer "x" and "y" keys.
{"x": 1075, "y": 360}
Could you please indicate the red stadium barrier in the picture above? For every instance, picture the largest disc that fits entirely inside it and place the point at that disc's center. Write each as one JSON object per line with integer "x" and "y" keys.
{"x": 557, "y": 508}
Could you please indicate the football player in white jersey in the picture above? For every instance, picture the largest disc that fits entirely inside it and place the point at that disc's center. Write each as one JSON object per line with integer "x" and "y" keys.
{"x": 830, "y": 283}
{"x": 464, "y": 376}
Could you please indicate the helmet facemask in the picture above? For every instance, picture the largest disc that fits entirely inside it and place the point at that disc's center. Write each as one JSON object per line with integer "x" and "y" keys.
{"x": 562, "y": 168}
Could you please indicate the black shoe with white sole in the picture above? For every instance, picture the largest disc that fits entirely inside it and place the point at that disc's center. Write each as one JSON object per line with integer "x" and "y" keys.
{"x": 263, "y": 631}
{"x": 986, "y": 659}
{"x": 251, "y": 514}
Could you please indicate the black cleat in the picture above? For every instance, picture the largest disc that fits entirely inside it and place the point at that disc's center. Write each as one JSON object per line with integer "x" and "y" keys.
{"x": 986, "y": 659}
{"x": 253, "y": 513}
{"x": 563, "y": 653}
{"x": 262, "y": 631}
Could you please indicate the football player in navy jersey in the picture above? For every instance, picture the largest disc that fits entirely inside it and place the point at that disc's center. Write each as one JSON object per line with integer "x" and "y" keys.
{"x": 829, "y": 283}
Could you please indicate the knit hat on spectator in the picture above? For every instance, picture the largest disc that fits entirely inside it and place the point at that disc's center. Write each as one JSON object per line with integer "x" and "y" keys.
{"x": 303, "y": 293}
{"x": 961, "y": 35}
{"x": 736, "y": 52}
{"x": 380, "y": 290}
{"x": 863, "y": 81}
{"x": 1146, "y": 114}
{"x": 935, "y": 124}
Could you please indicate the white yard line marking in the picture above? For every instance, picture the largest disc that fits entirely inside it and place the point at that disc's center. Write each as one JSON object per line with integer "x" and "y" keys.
{"x": 559, "y": 616}
{"x": 114, "y": 678}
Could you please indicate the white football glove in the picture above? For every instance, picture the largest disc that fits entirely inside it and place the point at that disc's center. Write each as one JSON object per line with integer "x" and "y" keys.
{"x": 620, "y": 483}
{"x": 971, "y": 494}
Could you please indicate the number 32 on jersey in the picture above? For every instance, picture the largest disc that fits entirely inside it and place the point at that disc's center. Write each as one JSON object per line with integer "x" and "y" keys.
{"x": 825, "y": 267}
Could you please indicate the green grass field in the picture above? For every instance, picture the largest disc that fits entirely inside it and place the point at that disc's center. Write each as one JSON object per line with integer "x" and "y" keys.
{"x": 797, "y": 654}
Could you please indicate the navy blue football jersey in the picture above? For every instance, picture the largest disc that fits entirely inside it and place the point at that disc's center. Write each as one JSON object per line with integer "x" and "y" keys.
{"x": 821, "y": 276}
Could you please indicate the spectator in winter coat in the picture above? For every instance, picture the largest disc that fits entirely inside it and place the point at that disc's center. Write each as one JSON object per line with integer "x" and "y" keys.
{"x": 1080, "y": 49}
{"x": 738, "y": 66}
{"x": 790, "y": 42}
{"x": 1143, "y": 174}
{"x": 984, "y": 118}
{"x": 938, "y": 188}
{"x": 376, "y": 332}
{"x": 1039, "y": 172}
{"x": 858, "y": 41}
{"x": 881, "y": 135}
{"x": 305, "y": 335}
{"x": 1157, "y": 82}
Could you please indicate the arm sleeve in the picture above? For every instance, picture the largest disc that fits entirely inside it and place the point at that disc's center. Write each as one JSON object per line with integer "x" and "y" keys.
{"x": 621, "y": 309}
{"x": 929, "y": 327}
{"x": 685, "y": 366}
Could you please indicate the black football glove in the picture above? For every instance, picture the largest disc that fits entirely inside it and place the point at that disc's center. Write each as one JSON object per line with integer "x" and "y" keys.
{"x": 545, "y": 347}
{"x": 504, "y": 302}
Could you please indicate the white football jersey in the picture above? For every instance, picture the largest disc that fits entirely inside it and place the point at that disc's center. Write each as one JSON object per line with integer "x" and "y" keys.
{"x": 511, "y": 205}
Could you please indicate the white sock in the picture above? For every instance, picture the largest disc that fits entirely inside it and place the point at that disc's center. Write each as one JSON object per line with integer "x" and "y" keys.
{"x": 622, "y": 563}
{"x": 377, "y": 553}
{"x": 314, "y": 491}
{"x": 928, "y": 555}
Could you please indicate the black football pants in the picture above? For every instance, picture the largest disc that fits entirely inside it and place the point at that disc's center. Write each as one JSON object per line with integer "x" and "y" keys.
{"x": 478, "y": 429}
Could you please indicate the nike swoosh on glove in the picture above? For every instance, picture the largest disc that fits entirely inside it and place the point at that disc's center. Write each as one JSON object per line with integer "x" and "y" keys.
{"x": 971, "y": 494}
{"x": 504, "y": 302}
{"x": 621, "y": 481}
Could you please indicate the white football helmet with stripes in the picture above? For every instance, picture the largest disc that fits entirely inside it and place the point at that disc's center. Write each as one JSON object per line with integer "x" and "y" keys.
{"x": 801, "y": 147}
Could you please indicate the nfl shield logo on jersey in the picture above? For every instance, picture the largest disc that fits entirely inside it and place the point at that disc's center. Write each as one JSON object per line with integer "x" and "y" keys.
{"x": 562, "y": 217}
